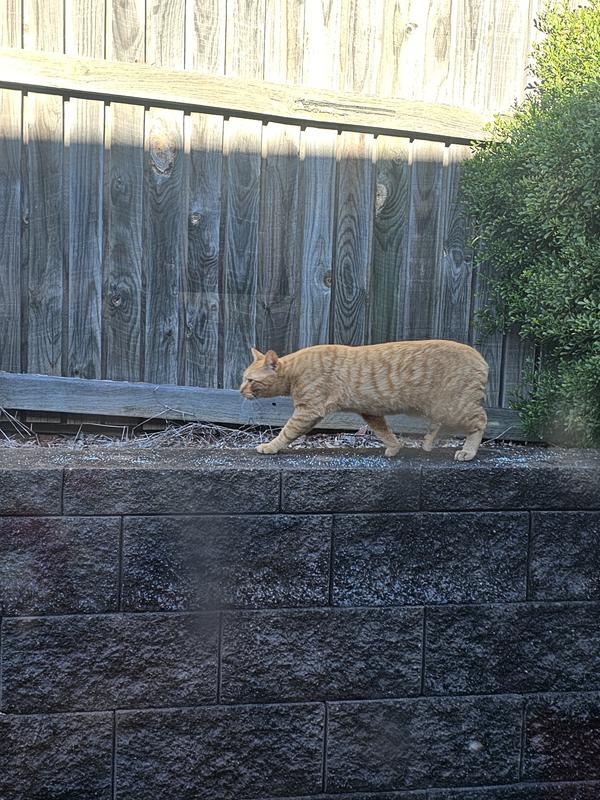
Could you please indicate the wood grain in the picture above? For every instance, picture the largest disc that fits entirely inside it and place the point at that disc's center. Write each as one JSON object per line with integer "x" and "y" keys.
{"x": 249, "y": 98}
{"x": 201, "y": 279}
{"x": 122, "y": 288}
{"x": 453, "y": 300}
{"x": 278, "y": 307}
{"x": 424, "y": 240}
{"x": 242, "y": 149}
{"x": 205, "y": 51}
{"x": 10, "y": 201}
{"x": 244, "y": 58}
{"x": 351, "y": 274}
{"x": 317, "y": 192}
{"x": 361, "y": 45}
{"x": 284, "y": 34}
{"x": 144, "y": 400}
{"x": 44, "y": 232}
{"x": 392, "y": 199}
{"x": 322, "y": 38}
{"x": 244, "y": 45}
{"x": 165, "y": 212}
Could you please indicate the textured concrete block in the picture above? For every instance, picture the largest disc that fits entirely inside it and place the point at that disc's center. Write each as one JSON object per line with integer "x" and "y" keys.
{"x": 104, "y": 662}
{"x": 562, "y": 738}
{"x": 513, "y": 648}
{"x": 61, "y": 757}
{"x": 253, "y": 561}
{"x": 517, "y": 482}
{"x": 55, "y": 565}
{"x": 565, "y": 555}
{"x": 397, "y": 559}
{"x": 221, "y": 753}
{"x": 317, "y": 655}
{"x": 170, "y": 491}
{"x": 390, "y": 745}
{"x": 387, "y": 488}
{"x": 30, "y": 491}
{"x": 522, "y": 791}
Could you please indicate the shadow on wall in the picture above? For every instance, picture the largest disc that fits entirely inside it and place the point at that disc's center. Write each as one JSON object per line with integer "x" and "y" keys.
{"x": 160, "y": 246}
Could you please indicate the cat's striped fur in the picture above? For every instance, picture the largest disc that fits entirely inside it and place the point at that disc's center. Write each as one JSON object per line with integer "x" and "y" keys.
{"x": 442, "y": 381}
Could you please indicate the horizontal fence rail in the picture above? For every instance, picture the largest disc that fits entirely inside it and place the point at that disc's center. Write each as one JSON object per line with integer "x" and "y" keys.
{"x": 156, "y": 86}
{"x": 187, "y": 403}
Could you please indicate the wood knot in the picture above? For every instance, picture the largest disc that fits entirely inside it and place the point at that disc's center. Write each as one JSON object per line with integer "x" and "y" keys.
{"x": 328, "y": 279}
{"x": 162, "y": 150}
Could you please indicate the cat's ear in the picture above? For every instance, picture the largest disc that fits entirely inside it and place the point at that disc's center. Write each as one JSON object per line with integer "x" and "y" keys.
{"x": 271, "y": 359}
{"x": 256, "y": 354}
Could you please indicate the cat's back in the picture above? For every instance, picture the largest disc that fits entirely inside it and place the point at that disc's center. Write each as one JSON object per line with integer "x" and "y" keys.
{"x": 440, "y": 351}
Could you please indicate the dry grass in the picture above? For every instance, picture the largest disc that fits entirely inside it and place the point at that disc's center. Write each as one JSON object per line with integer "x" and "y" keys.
{"x": 196, "y": 434}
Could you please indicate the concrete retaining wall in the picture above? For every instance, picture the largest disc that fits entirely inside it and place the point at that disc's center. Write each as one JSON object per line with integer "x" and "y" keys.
{"x": 400, "y": 629}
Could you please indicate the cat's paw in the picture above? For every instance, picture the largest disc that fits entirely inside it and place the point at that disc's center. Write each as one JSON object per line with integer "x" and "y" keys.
{"x": 266, "y": 449}
{"x": 390, "y": 452}
{"x": 464, "y": 455}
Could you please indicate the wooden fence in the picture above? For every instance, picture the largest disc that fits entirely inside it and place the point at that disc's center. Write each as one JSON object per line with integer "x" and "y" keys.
{"x": 155, "y": 223}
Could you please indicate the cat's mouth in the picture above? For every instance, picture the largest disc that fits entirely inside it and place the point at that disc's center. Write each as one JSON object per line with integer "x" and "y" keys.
{"x": 246, "y": 392}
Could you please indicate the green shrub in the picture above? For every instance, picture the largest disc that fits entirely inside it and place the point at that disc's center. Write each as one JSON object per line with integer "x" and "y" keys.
{"x": 534, "y": 194}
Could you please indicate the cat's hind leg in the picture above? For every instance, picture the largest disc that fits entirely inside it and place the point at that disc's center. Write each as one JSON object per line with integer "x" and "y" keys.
{"x": 431, "y": 436}
{"x": 382, "y": 430}
{"x": 475, "y": 431}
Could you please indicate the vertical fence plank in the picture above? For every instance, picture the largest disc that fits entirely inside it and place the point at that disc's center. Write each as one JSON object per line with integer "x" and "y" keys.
{"x": 424, "y": 233}
{"x": 472, "y": 52}
{"x": 316, "y": 234}
{"x": 453, "y": 304}
{"x": 43, "y": 235}
{"x": 165, "y": 182}
{"x": 122, "y": 290}
{"x": 284, "y": 34}
{"x": 361, "y": 45}
{"x": 205, "y": 51}
{"x": 244, "y": 58}
{"x": 322, "y": 36}
{"x": 320, "y": 68}
{"x": 242, "y": 151}
{"x": 277, "y": 321}
{"x": 353, "y": 238}
{"x": 10, "y": 201}
{"x": 392, "y": 201}
{"x": 84, "y": 21}
{"x": 416, "y": 44}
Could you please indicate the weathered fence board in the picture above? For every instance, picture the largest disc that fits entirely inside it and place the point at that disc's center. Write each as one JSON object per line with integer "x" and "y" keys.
{"x": 139, "y": 83}
{"x": 10, "y": 202}
{"x": 278, "y": 308}
{"x": 392, "y": 204}
{"x": 45, "y": 231}
{"x": 186, "y": 403}
{"x": 123, "y": 212}
{"x": 317, "y": 199}
{"x": 351, "y": 271}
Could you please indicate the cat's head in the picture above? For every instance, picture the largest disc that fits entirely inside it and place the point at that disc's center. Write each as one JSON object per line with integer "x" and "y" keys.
{"x": 260, "y": 378}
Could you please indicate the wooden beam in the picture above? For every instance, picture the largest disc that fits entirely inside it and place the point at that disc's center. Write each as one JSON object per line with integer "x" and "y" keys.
{"x": 151, "y": 401}
{"x": 156, "y": 86}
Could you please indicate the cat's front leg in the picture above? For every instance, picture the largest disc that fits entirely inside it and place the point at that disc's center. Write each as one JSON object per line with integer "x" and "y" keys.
{"x": 297, "y": 425}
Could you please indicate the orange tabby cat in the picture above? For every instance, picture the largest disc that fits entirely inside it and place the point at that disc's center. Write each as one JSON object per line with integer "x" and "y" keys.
{"x": 440, "y": 380}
